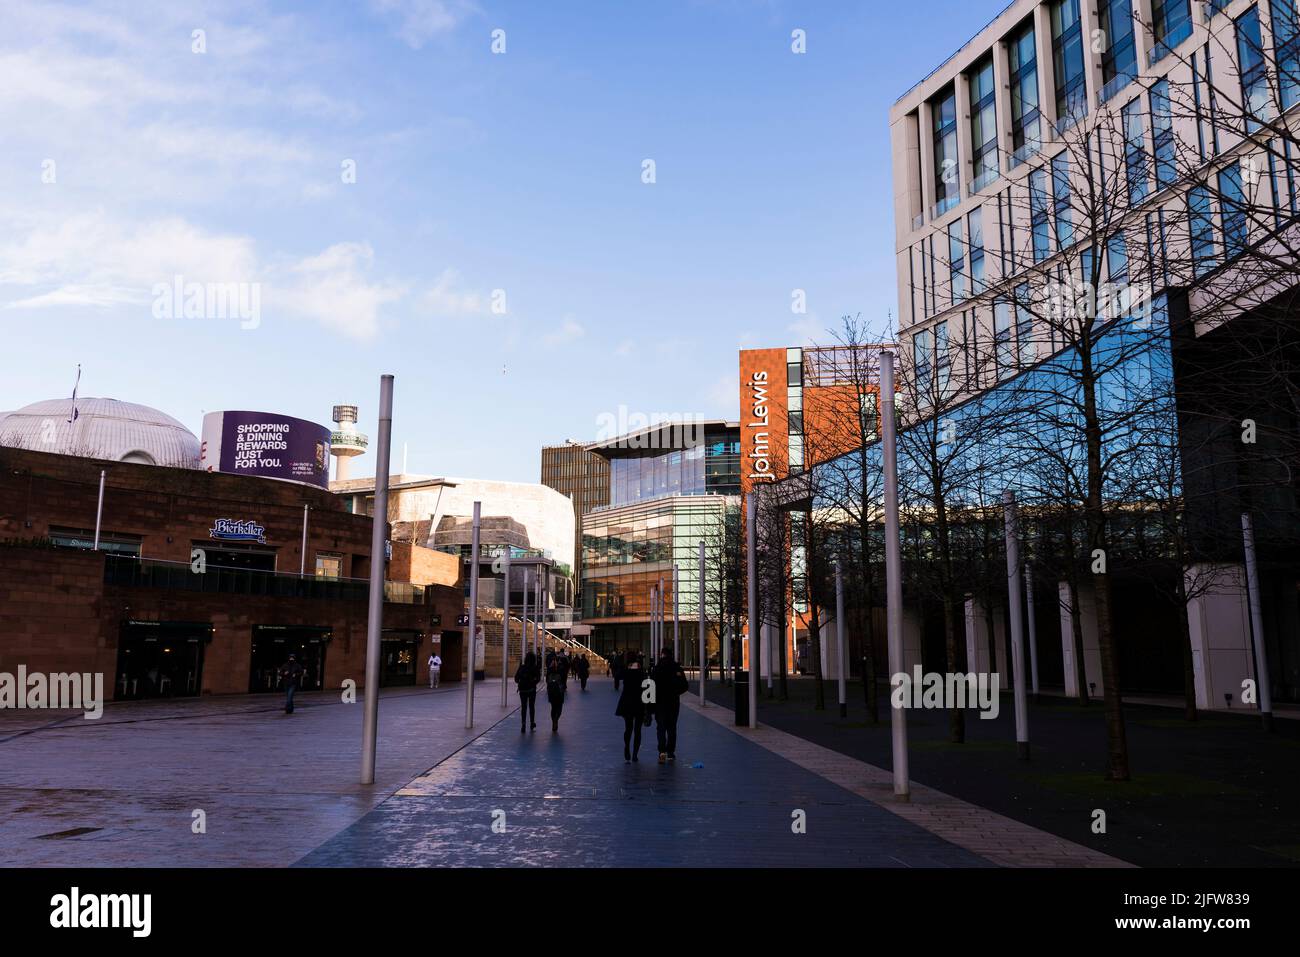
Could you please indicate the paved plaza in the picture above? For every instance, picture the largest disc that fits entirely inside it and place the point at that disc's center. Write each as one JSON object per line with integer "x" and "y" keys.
{"x": 281, "y": 790}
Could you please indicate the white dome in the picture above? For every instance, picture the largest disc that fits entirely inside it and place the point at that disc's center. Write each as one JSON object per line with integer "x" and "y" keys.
{"x": 103, "y": 429}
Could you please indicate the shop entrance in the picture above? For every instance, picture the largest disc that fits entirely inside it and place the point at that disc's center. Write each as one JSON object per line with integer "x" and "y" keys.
{"x": 160, "y": 659}
{"x": 398, "y": 651}
{"x": 272, "y": 646}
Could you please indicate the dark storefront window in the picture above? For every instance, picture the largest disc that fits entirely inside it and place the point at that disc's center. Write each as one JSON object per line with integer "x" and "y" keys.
{"x": 272, "y": 646}
{"x": 111, "y": 542}
{"x": 160, "y": 659}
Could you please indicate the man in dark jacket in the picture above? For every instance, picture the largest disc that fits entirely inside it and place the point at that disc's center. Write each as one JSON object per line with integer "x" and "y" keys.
{"x": 291, "y": 675}
{"x": 584, "y": 669}
{"x": 526, "y": 678}
{"x": 618, "y": 665}
{"x": 555, "y": 692}
{"x": 670, "y": 685}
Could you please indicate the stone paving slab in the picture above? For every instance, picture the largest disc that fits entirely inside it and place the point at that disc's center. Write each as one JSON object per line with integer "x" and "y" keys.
{"x": 120, "y": 790}
{"x": 992, "y": 836}
{"x": 570, "y": 800}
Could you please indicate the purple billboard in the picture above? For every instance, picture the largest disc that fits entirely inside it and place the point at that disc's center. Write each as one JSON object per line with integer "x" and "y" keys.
{"x": 266, "y": 445}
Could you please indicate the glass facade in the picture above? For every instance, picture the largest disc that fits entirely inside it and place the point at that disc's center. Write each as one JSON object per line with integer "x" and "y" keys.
{"x": 947, "y": 189}
{"x": 1286, "y": 46}
{"x": 1119, "y": 59}
{"x": 709, "y": 469}
{"x": 983, "y": 125}
{"x": 1026, "y": 122}
{"x": 1067, "y": 55}
{"x": 1171, "y": 23}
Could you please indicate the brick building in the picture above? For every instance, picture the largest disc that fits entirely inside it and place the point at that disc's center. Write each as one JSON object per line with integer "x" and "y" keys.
{"x": 201, "y": 584}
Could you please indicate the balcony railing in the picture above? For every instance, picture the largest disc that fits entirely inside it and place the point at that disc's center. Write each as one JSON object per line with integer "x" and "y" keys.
{"x": 1024, "y": 154}
{"x": 945, "y": 204}
{"x": 984, "y": 179}
{"x": 1166, "y": 46}
{"x": 180, "y": 576}
{"x": 1112, "y": 89}
{"x": 918, "y": 221}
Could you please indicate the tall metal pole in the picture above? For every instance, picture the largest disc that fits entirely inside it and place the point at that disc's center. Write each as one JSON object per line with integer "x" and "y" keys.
{"x": 840, "y": 627}
{"x": 1017, "y": 630}
{"x": 505, "y": 626}
{"x": 539, "y": 649}
{"x": 1033, "y": 629}
{"x": 677, "y": 648}
{"x": 302, "y": 564}
{"x": 375, "y": 618}
{"x": 751, "y": 643}
{"x": 1262, "y": 689}
{"x": 701, "y": 632}
{"x": 99, "y": 508}
{"x": 473, "y": 619}
{"x": 542, "y": 602}
{"x": 524, "y": 646}
{"x": 893, "y": 570}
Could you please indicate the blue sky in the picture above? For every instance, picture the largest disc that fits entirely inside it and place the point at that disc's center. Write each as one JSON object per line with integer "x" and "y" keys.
{"x": 130, "y": 159}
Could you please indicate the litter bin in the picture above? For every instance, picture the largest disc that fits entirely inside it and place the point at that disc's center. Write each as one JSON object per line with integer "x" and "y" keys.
{"x": 741, "y": 688}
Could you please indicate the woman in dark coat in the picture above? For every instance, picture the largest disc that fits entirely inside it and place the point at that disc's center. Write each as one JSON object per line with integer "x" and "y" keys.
{"x": 526, "y": 678}
{"x": 555, "y": 682}
{"x": 630, "y": 706}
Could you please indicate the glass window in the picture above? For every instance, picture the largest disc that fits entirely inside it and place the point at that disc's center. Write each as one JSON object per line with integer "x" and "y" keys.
{"x": 1025, "y": 118}
{"x": 1201, "y": 221}
{"x": 976, "y": 221}
{"x": 1236, "y": 230}
{"x": 1067, "y": 56}
{"x": 957, "y": 261}
{"x": 922, "y": 353}
{"x": 983, "y": 124}
{"x": 947, "y": 191}
{"x": 329, "y": 565}
{"x": 1253, "y": 69}
{"x": 1061, "y": 199}
{"x": 1039, "y": 217}
{"x": 1162, "y": 128}
{"x": 1119, "y": 59}
{"x": 1171, "y": 24}
{"x": 794, "y": 375}
{"x": 1286, "y": 46}
{"x": 1135, "y": 151}
{"x": 1003, "y": 350}
{"x": 1024, "y": 327}
{"x": 942, "y": 360}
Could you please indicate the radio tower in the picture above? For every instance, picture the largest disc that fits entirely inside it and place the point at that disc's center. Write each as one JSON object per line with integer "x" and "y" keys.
{"x": 345, "y": 441}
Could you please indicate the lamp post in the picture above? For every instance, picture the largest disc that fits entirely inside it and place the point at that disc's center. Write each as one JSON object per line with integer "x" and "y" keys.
{"x": 1017, "y": 632}
{"x": 893, "y": 569}
{"x": 1033, "y": 630}
{"x": 751, "y": 532}
{"x": 840, "y": 627}
{"x": 1264, "y": 693}
{"x": 677, "y": 648}
{"x": 505, "y": 625}
{"x": 703, "y": 659}
{"x": 473, "y": 619}
{"x": 375, "y": 611}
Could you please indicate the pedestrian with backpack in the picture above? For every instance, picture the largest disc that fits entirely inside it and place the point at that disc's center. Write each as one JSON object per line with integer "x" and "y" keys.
{"x": 526, "y": 678}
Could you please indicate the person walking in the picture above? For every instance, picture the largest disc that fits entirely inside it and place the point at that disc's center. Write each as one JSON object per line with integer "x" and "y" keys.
{"x": 631, "y": 708}
{"x": 526, "y": 678}
{"x": 619, "y": 664}
{"x": 584, "y": 669}
{"x": 670, "y": 684}
{"x": 555, "y": 692}
{"x": 291, "y": 675}
{"x": 435, "y": 669}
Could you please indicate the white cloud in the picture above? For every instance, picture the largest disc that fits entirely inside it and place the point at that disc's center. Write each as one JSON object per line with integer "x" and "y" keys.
{"x": 419, "y": 21}
{"x": 569, "y": 330}
{"x": 808, "y": 330}
{"x": 335, "y": 289}
{"x": 445, "y": 301}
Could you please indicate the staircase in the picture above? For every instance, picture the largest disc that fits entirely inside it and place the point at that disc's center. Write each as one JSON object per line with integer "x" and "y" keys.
{"x": 491, "y": 619}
